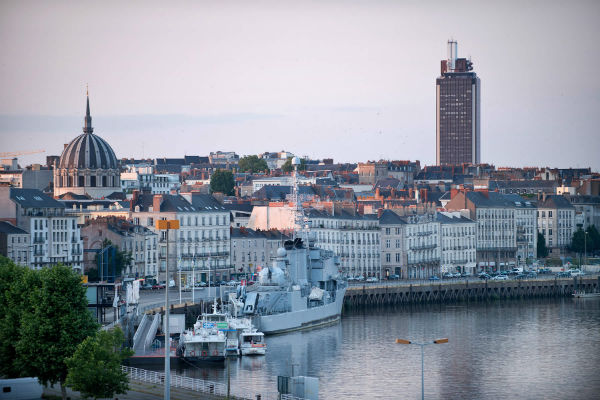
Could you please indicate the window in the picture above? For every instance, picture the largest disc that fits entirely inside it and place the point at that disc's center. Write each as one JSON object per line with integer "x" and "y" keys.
{"x": 550, "y": 214}
{"x": 387, "y": 243}
{"x": 387, "y": 257}
{"x": 397, "y": 257}
{"x": 387, "y": 231}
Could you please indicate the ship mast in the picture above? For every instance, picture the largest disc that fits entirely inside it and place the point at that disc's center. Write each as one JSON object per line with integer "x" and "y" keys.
{"x": 298, "y": 214}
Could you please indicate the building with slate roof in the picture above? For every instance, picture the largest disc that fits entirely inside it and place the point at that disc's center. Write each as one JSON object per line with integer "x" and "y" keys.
{"x": 496, "y": 227}
{"x": 14, "y": 243}
{"x": 139, "y": 241}
{"x": 422, "y": 246}
{"x": 54, "y": 236}
{"x": 355, "y": 238}
{"x": 87, "y": 165}
{"x": 393, "y": 255}
{"x": 202, "y": 241}
{"x": 253, "y": 250}
{"x": 556, "y": 221}
{"x": 526, "y": 225}
{"x": 458, "y": 238}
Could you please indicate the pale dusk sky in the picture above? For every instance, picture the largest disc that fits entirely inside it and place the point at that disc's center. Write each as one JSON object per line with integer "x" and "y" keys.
{"x": 352, "y": 80}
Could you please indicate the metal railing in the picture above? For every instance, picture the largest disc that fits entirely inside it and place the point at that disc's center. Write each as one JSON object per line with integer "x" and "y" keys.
{"x": 197, "y": 385}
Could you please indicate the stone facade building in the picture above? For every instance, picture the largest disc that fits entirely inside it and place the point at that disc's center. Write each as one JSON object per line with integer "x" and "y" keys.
{"x": 556, "y": 221}
{"x": 54, "y": 236}
{"x": 14, "y": 243}
{"x": 356, "y": 239}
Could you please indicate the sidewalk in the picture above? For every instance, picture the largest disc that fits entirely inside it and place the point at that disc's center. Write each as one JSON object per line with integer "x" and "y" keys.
{"x": 142, "y": 391}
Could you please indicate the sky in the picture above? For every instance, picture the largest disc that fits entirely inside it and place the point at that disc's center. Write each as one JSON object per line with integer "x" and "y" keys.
{"x": 348, "y": 80}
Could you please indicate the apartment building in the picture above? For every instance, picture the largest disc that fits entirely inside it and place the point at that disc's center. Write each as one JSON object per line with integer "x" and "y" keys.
{"x": 251, "y": 250}
{"x": 393, "y": 256}
{"x": 356, "y": 239}
{"x": 556, "y": 221}
{"x": 422, "y": 245}
{"x": 496, "y": 227}
{"x": 14, "y": 243}
{"x": 458, "y": 238}
{"x": 54, "y": 236}
{"x": 200, "y": 244}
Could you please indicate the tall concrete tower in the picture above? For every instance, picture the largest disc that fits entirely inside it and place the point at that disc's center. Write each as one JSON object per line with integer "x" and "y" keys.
{"x": 458, "y": 111}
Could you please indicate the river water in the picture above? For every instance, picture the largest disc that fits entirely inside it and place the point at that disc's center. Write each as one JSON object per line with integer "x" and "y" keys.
{"x": 533, "y": 349}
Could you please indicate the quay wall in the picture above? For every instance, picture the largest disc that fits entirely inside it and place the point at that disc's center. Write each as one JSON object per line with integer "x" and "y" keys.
{"x": 468, "y": 290}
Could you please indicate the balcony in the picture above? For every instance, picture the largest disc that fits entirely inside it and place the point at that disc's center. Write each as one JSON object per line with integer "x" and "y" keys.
{"x": 423, "y": 246}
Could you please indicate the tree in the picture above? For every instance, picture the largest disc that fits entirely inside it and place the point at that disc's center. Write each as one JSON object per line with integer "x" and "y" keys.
{"x": 55, "y": 320}
{"x": 252, "y": 164}
{"x": 222, "y": 181}
{"x": 13, "y": 291}
{"x": 122, "y": 261}
{"x": 95, "y": 368}
{"x": 288, "y": 167}
{"x": 594, "y": 236}
{"x": 542, "y": 250}
{"x": 578, "y": 241}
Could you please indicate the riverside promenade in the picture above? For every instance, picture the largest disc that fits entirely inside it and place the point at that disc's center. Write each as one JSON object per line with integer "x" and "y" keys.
{"x": 419, "y": 292}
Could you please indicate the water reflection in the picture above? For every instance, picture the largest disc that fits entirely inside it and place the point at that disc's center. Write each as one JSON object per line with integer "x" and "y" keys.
{"x": 546, "y": 349}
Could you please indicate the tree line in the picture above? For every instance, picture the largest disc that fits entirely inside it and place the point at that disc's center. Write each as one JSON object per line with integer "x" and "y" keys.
{"x": 47, "y": 331}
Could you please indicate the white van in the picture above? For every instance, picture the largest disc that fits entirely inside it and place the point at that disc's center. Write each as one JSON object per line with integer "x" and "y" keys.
{"x": 20, "y": 389}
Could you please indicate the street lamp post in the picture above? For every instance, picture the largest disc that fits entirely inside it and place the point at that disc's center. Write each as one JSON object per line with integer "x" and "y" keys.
{"x": 437, "y": 341}
{"x": 167, "y": 225}
{"x": 584, "y": 251}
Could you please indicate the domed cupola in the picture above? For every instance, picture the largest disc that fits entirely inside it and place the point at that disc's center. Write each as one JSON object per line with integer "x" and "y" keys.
{"x": 87, "y": 165}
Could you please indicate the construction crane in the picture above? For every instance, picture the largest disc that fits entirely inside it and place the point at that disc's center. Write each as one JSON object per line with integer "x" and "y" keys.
{"x": 21, "y": 153}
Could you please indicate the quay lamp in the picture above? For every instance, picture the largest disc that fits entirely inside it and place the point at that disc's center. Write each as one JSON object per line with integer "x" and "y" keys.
{"x": 437, "y": 341}
{"x": 167, "y": 225}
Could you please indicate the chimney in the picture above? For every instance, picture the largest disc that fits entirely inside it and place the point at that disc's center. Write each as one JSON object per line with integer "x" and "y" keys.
{"x": 544, "y": 194}
{"x": 377, "y": 193}
{"x": 379, "y": 212}
{"x": 135, "y": 196}
{"x": 156, "y": 202}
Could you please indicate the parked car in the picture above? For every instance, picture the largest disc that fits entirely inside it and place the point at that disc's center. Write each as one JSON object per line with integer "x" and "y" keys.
{"x": 500, "y": 277}
{"x": 564, "y": 274}
{"x": 394, "y": 277}
{"x": 232, "y": 283}
{"x": 434, "y": 278}
{"x": 576, "y": 272}
{"x": 372, "y": 279}
{"x": 520, "y": 276}
{"x": 360, "y": 278}
{"x": 146, "y": 286}
{"x": 186, "y": 288}
{"x": 200, "y": 284}
{"x": 544, "y": 271}
{"x": 485, "y": 276}
{"x": 157, "y": 286}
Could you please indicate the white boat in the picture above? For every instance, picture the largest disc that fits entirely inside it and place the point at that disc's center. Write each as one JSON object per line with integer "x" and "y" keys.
{"x": 583, "y": 294}
{"x": 205, "y": 342}
{"x": 252, "y": 342}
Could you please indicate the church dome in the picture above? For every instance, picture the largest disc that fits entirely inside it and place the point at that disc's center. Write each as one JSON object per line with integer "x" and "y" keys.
{"x": 88, "y": 151}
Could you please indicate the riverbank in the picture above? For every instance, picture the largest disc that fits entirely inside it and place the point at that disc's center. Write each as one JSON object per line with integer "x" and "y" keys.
{"x": 389, "y": 293}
